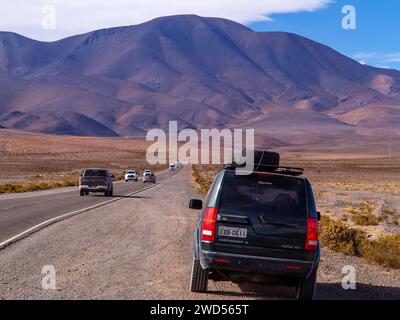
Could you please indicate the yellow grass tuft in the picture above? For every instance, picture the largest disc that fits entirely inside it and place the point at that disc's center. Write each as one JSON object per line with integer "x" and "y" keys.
{"x": 363, "y": 214}
{"x": 36, "y": 186}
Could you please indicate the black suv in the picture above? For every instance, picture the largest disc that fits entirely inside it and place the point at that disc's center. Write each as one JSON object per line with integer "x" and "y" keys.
{"x": 260, "y": 227}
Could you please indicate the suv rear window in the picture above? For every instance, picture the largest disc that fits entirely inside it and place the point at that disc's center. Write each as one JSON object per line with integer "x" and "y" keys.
{"x": 277, "y": 197}
{"x": 95, "y": 173}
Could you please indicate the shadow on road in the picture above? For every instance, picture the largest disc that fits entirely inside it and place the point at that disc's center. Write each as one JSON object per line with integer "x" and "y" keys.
{"x": 259, "y": 291}
{"x": 325, "y": 291}
{"x": 334, "y": 291}
{"x": 131, "y": 197}
{"x": 121, "y": 196}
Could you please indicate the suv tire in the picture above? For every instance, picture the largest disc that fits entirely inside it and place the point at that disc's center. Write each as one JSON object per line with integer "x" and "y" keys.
{"x": 82, "y": 193}
{"x": 198, "y": 278}
{"x": 306, "y": 287}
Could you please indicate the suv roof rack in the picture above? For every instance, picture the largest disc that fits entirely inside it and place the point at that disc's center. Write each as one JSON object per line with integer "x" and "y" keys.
{"x": 290, "y": 171}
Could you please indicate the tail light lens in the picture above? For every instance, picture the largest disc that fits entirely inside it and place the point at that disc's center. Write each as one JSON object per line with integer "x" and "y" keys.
{"x": 222, "y": 260}
{"x": 264, "y": 174}
{"x": 80, "y": 180}
{"x": 312, "y": 235}
{"x": 208, "y": 226}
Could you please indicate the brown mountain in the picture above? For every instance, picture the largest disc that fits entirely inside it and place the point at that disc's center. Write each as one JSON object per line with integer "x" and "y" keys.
{"x": 203, "y": 72}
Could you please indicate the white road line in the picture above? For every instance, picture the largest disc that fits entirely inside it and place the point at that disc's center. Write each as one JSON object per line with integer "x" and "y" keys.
{"x": 50, "y": 192}
{"x": 46, "y": 223}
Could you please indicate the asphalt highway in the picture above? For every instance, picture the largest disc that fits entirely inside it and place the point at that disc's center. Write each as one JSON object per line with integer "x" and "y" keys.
{"x": 19, "y": 212}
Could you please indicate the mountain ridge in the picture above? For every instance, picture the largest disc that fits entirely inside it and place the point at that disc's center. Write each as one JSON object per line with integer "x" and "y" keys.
{"x": 202, "y": 72}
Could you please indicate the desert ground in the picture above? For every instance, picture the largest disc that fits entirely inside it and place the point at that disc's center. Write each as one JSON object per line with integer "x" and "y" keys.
{"x": 349, "y": 179}
{"x": 355, "y": 184}
{"x": 131, "y": 249}
{"x": 28, "y": 160}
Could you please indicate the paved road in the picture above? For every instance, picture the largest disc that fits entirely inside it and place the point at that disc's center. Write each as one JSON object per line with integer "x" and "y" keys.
{"x": 19, "y": 212}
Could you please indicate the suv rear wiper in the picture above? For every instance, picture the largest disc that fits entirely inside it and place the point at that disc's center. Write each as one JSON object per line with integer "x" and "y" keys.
{"x": 278, "y": 224}
{"x": 281, "y": 224}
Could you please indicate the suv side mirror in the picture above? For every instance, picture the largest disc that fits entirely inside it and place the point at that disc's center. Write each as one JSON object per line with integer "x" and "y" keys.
{"x": 318, "y": 216}
{"x": 196, "y": 204}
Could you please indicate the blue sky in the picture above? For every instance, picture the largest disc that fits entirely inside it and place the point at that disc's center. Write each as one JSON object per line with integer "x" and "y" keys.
{"x": 376, "y": 41}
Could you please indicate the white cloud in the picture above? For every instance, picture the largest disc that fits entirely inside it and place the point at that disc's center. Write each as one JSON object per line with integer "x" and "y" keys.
{"x": 380, "y": 60}
{"x": 364, "y": 55}
{"x": 77, "y": 16}
{"x": 392, "y": 57}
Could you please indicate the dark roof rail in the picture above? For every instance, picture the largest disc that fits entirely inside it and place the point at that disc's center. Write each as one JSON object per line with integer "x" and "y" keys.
{"x": 290, "y": 171}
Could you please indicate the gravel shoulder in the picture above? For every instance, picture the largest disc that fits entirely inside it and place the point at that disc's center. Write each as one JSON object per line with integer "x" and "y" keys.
{"x": 141, "y": 248}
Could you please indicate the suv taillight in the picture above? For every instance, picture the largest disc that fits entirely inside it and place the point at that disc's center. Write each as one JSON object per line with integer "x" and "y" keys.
{"x": 208, "y": 226}
{"x": 80, "y": 180}
{"x": 312, "y": 234}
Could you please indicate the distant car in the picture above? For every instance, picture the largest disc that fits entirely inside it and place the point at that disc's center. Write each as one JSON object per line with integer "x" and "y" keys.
{"x": 131, "y": 175}
{"x": 172, "y": 166}
{"x": 148, "y": 176}
{"x": 96, "y": 180}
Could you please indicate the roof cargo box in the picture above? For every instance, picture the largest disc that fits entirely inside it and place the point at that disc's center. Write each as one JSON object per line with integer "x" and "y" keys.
{"x": 267, "y": 161}
{"x": 264, "y": 158}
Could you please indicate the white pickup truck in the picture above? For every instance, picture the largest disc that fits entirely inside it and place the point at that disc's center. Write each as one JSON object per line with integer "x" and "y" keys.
{"x": 131, "y": 175}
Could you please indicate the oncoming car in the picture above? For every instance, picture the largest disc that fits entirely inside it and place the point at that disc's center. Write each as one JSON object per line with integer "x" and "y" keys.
{"x": 131, "y": 175}
{"x": 149, "y": 176}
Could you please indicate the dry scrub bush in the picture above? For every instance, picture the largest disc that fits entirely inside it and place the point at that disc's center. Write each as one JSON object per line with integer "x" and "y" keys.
{"x": 384, "y": 251}
{"x": 339, "y": 237}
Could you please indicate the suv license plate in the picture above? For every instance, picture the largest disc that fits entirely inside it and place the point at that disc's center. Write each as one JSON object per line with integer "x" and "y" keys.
{"x": 232, "y": 232}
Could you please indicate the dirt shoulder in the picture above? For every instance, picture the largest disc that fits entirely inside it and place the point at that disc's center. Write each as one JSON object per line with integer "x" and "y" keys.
{"x": 141, "y": 248}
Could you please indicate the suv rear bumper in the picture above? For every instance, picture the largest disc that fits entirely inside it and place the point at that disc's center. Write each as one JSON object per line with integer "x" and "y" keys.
{"x": 256, "y": 264}
{"x": 93, "y": 189}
